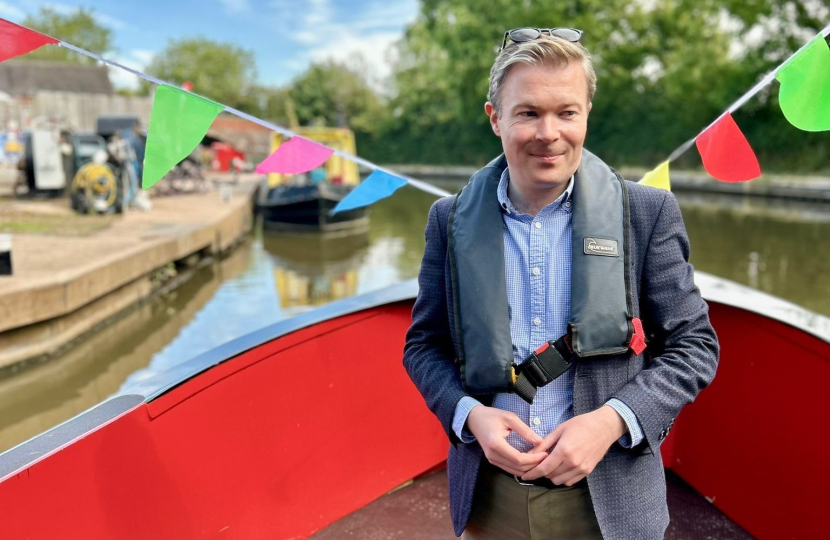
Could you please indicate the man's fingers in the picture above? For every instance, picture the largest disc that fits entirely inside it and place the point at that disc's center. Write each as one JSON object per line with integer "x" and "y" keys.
{"x": 506, "y": 453}
{"x": 544, "y": 468}
{"x": 570, "y": 478}
{"x": 510, "y": 466}
{"x": 506, "y": 466}
{"x": 523, "y": 430}
{"x": 549, "y": 441}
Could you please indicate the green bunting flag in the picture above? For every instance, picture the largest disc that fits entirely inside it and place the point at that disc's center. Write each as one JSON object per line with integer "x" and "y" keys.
{"x": 178, "y": 123}
{"x": 805, "y": 87}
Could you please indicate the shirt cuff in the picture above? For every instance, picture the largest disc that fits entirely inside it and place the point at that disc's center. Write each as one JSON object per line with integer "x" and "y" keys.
{"x": 635, "y": 431}
{"x": 462, "y": 410}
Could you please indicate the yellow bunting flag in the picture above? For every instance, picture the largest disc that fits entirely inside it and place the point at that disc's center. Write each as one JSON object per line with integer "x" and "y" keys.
{"x": 658, "y": 178}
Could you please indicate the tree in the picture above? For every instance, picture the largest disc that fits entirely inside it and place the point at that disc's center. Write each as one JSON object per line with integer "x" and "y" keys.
{"x": 78, "y": 28}
{"x": 665, "y": 69}
{"x": 333, "y": 94}
{"x": 219, "y": 71}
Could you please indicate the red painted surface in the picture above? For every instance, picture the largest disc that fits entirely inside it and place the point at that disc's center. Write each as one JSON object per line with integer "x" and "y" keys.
{"x": 223, "y": 156}
{"x": 276, "y": 444}
{"x": 287, "y": 438}
{"x": 756, "y": 441}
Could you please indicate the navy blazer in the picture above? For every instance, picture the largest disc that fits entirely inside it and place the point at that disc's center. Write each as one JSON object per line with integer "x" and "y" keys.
{"x": 627, "y": 487}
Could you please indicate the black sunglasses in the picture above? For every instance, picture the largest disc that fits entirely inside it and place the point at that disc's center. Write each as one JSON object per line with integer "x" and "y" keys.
{"x": 522, "y": 35}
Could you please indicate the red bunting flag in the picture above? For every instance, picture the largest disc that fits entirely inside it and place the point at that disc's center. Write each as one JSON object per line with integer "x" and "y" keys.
{"x": 726, "y": 153}
{"x": 298, "y": 155}
{"x": 16, "y": 40}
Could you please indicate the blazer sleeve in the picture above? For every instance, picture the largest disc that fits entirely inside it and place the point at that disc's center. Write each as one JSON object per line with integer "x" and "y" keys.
{"x": 429, "y": 353}
{"x": 684, "y": 345}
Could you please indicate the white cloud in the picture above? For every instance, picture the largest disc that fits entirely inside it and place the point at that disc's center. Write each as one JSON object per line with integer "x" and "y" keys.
{"x": 63, "y": 9}
{"x": 318, "y": 13}
{"x": 12, "y": 12}
{"x": 363, "y": 37}
{"x": 305, "y": 37}
{"x": 143, "y": 55}
{"x": 235, "y": 7}
{"x": 355, "y": 50}
{"x": 113, "y": 23}
{"x": 136, "y": 59}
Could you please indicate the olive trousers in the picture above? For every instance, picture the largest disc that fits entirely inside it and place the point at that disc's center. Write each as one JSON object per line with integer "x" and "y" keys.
{"x": 505, "y": 510}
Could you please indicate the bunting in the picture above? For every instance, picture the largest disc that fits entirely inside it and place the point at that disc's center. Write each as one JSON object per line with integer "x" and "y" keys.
{"x": 377, "y": 186}
{"x": 179, "y": 121}
{"x": 295, "y": 156}
{"x": 726, "y": 153}
{"x": 658, "y": 178}
{"x": 805, "y": 87}
{"x": 16, "y": 40}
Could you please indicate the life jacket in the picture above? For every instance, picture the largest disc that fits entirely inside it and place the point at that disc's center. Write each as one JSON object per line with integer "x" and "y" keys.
{"x": 600, "y": 322}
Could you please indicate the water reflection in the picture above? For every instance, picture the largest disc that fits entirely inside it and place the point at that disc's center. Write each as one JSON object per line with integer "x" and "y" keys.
{"x": 42, "y": 396}
{"x": 312, "y": 270}
{"x": 291, "y": 273}
{"x": 776, "y": 247}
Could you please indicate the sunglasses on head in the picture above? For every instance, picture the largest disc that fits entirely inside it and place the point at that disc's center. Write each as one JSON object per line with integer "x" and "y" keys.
{"x": 522, "y": 35}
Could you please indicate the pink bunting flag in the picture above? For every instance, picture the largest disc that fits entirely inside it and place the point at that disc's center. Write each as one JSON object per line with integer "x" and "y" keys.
{"x": 726, "y": 153}
{"x": 298, "y": 155}
{"x": 16, "y": 40}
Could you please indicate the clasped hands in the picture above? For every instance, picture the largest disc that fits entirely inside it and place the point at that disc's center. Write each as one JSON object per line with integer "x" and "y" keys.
{"x": 566, "y": 455}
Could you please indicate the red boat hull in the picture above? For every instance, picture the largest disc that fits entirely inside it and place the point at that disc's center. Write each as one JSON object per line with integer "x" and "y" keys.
{"x": 281, "y": 440}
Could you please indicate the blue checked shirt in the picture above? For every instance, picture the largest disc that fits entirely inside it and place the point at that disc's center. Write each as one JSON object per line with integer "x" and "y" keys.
{"x": 537, "y": 260}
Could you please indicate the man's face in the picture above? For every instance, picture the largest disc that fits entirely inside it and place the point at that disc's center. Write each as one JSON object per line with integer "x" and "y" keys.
{"x": 542, "y": 124}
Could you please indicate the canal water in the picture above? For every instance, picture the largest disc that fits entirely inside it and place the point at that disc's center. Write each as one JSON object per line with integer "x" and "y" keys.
{"x": 772, "y": 246}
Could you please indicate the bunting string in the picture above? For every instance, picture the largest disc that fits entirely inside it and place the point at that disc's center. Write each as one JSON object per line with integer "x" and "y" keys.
{"x": 817, "y": 86}
{"x": 424, "y": 186}
{"x": 725, "y": 151}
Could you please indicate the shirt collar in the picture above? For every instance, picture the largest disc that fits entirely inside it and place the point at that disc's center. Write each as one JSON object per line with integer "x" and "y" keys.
{"x": 507, "y": 205}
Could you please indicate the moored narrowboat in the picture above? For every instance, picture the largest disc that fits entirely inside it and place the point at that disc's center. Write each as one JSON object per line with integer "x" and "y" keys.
{"x": 303, "y": 202}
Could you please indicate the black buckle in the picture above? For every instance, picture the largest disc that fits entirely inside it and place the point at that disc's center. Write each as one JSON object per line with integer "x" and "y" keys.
{"x": 541, "y": 367}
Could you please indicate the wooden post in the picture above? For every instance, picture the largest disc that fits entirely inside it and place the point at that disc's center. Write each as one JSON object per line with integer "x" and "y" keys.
{"x": 5, "y": 254}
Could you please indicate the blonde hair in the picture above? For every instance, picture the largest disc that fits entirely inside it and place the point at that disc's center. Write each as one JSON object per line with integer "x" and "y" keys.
{"x": 545, "y": 50}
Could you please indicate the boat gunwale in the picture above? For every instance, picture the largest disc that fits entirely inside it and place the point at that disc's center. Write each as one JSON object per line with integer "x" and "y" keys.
{"x": 712, "y": 288}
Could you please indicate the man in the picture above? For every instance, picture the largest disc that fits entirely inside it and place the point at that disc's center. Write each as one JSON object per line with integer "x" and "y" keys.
{"x": 547, "y": 249}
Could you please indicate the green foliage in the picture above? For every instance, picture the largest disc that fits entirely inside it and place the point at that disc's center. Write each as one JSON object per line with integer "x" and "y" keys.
{"x": 219, "y": 71}
{"x": 666, "y": 68}
{"x": 333, "y": 94}
{"x": 269, "y": 103}
{"x": 78, "y": 28}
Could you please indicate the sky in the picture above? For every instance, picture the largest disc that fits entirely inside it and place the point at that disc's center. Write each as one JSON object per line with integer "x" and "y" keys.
{"x": 286, "y": 36}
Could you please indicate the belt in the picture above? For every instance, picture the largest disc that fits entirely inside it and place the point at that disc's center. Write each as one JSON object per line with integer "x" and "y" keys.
{"x": 539, "y": 482}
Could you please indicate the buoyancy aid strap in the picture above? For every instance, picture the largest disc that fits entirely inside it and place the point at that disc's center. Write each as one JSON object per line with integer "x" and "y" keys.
{"x": 541, "y": 367}
{"x": 475, "y": 241}
{"x": 601, "y": 302}
{"x": 600, "y": 297}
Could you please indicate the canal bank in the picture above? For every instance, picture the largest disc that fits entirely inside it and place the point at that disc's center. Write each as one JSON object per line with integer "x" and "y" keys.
{"x": 782, "y": 187}
{"x": 70, "y": 280}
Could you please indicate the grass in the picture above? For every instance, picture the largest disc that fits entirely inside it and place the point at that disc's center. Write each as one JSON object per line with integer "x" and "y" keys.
{"x": 19, "y": 222}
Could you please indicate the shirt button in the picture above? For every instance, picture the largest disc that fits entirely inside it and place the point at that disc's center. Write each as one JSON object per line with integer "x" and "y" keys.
{"x": 536, "y": 421}
{"x": 536, "y": 271}
{"x": 538, "y": 225}
{"x": 568, "y": 204}
{"x": 537, "y": 321}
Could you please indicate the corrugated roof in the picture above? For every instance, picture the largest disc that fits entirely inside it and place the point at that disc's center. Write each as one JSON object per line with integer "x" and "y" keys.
{"x": 27, "y": 77}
